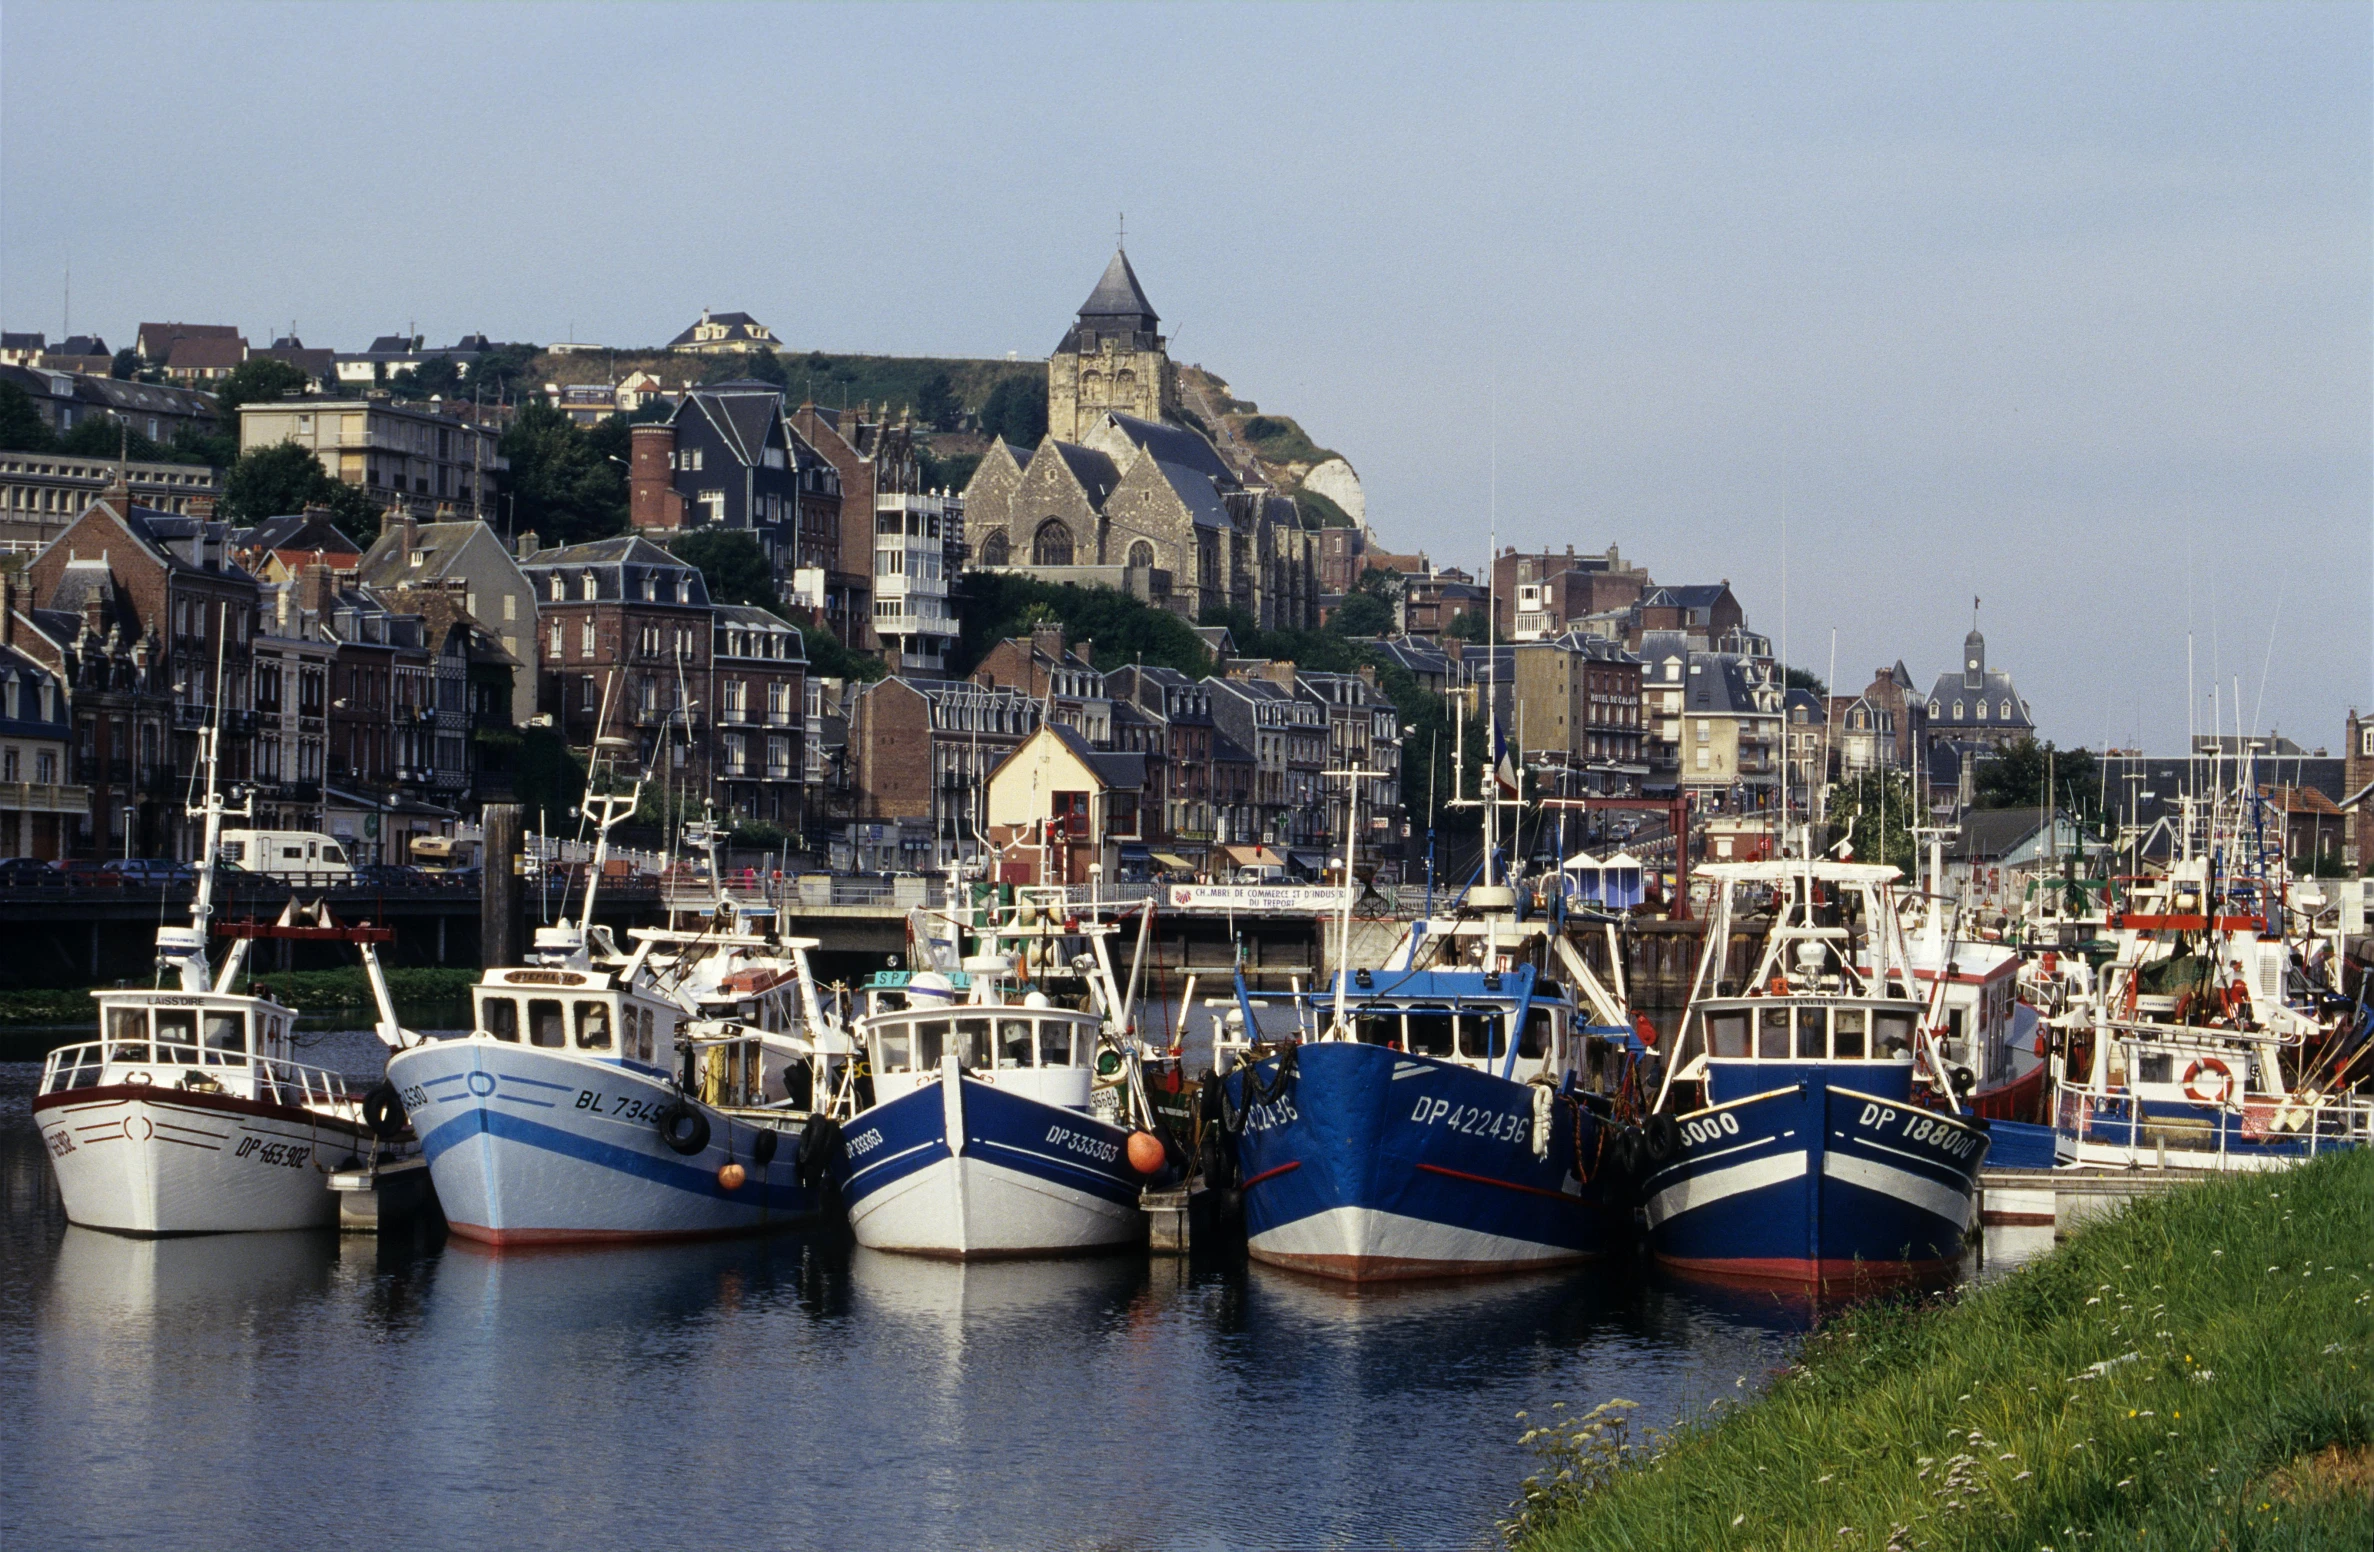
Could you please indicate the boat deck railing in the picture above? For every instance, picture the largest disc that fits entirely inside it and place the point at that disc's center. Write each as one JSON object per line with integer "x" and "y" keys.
{"x": 2253, "y": 1124}
{"x": 276, "y": 1079}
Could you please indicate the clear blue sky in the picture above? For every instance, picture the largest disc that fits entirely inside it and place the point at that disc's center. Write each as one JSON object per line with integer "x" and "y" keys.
{"x": 2067, "y": 307}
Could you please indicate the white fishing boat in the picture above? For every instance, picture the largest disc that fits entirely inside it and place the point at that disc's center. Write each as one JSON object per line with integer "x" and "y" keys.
{"x": 604, "y": 1096}
{"x": 190, "y": 1114}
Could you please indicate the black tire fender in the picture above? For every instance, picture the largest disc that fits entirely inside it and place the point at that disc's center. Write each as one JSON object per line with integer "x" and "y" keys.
{"x": 1661, "y": 1138}
{"x": 762, "y": 1146}
{"x": 683, "y": 1128}
{"x": 820, "y": 1145}
{"x": 383, "y": 1111}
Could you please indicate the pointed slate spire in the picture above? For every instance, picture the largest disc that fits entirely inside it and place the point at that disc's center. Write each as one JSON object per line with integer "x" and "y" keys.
{"x": 1119, "y": 302}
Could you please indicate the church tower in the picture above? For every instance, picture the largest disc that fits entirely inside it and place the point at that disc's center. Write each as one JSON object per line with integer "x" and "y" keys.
{"x": 1111, "y": 359}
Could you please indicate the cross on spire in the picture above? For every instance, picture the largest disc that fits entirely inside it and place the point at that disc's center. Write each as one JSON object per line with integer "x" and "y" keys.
{"x": 1121, "y": 236}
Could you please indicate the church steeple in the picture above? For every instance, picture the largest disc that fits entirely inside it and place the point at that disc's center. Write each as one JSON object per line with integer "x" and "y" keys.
{"x": 1119, "y": 303}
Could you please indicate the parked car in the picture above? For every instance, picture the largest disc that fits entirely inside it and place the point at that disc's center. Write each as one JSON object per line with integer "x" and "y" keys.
{"x": 91, "y": 875}
{"x": 152, "y": 872}
{"x": 29, "y": 873}
{"x": 390, "y": 875}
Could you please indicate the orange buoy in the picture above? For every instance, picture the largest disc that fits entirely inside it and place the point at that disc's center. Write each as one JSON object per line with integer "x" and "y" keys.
{"x": 1145, "y": 1153}
{"x": 731, "y": 1176}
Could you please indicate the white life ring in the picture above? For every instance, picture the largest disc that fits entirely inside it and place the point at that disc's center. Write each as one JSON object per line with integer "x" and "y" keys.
{"x": 2218, "y": 1077}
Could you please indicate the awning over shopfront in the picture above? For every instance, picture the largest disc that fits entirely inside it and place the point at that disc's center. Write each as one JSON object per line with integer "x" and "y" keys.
{"x": 1255, "y": 857}
{"x": 1173, "y": 861}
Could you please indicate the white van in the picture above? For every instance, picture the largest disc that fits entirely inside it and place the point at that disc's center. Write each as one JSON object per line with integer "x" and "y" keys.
{"x": 287, "y": 853}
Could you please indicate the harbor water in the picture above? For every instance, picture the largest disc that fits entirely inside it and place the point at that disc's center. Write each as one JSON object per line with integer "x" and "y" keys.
{"x": 419, "y": 1391}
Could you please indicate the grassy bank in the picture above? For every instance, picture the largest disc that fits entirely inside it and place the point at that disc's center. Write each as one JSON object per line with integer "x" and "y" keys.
{"x": 2198, "y": 1373}
{"x": 425, "y": 999}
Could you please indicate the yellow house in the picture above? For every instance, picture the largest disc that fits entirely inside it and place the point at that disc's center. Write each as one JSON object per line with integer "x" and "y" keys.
{"x": 1058, "y": 806}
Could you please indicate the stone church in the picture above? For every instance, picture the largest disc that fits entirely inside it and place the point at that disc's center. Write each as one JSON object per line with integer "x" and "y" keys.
{"x": 1126, "y": 492}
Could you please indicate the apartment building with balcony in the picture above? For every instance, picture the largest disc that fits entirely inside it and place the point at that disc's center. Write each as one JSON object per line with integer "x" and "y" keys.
{"x": 1255, "y": 706}
{"x": 42, "y": 806}
{"x": 1578, "y": 702}
{"x": 624, "y": 637}
{"x": 920, "y": 752}
{"x": 1363, "y": 733}
{"x": 918, "y": 550}
{"x": 759, "y": 667}
{"x": 1184, "y": 795}
{"x": 290, "y": 756}
{"x": 41, "y": 494}
{"x": 405, "y": 457}
{"x": 1046, "y": 667}
{"x": 147, "y": 620}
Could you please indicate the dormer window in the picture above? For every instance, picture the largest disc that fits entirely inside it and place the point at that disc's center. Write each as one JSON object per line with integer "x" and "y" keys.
{"x": 587, "y": 589}
{"x": 1957, "y": 711}
{"x": 560, "y": 589}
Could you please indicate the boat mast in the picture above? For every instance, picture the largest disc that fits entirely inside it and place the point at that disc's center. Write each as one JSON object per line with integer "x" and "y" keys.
{"x": 185, "y": 948}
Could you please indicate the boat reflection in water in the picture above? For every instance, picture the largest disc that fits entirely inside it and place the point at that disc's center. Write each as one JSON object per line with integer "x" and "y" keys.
{"x": 170, "y": 1293}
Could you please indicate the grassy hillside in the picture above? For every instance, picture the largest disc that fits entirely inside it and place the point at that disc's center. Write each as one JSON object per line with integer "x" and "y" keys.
{"x": 2196, "y": 1374}
{"x": 829, "y": 379}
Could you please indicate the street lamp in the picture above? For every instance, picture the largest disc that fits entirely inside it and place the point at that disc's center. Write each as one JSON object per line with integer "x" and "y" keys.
{"x": 129, "y": 811}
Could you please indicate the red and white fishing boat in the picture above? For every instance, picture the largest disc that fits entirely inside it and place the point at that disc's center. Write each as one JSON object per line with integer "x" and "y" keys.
{"x": 190, "y": 1113}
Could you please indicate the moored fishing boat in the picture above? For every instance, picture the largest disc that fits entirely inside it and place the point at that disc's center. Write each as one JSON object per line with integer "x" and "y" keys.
{"x": 1808, "y": 1130}
{"x": 979, "y": 1134}
{"x": 600, "y": 1096}
{"x": 190, "y": 1114}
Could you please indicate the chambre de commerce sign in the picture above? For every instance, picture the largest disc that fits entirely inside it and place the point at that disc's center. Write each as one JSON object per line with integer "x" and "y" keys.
{"x": 1260, "y": 899}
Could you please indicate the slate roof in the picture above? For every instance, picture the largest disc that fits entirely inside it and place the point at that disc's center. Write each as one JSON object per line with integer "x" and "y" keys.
{"x": 156, "y": 340}
{"x": 1091, "y": 468}
{"x": 1719, "y": 683}
{"x": 1703, "y": 595}
{"x": 205, "y": 355}
{"x": 9, "y": 340}
{"x": 739, "y": 327}
{"x": 439, "y": 543}
{"x": 300, "y": 530}
{"x": 1114, "y": 768}
{"x": 1174, "y": 445}
{"x": 127, "y": 397}
{"x": 1195, "y": 492}
{"x": 1988, "y": 833}
{"x": 1118, "y": 300}
{"x": 619, "y": 566}
{"x": 82, "y": 345}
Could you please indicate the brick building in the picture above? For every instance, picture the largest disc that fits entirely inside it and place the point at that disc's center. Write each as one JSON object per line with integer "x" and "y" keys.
{"x": 623, "y": 643}
{"x": 759, "y": 667}
{"x": 138, "y": 611}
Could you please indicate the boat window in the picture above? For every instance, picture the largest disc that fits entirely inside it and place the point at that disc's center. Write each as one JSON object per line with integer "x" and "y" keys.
{"x": 593, "y": 1026}
{"x": 930, "y": 1040}
{"x": 1430, "y": 1033}
{"x": 1476, "y": 1035}
{"x": 499, "y": 1017}
{"x": 177, "y": 1035}
{"x": 643, "y": 1038}
{"x": 1891, "y": 1033}
{"x": 1772, "y": 1034}
{"x": 972, "y": 1042}
{"x": 1727, "y": 1033}
{"x": 1055, "y": 1043}
{"x": 2150, "y": 1066}
{"x": 1846, "y": 1034}
{"x": 1013, "y": 1042}
{"x": 1534, "y": 1042}
{"x": 546, "y": 1024}
{"x": 127, "y": 1031}
{"x": 1809, "y": 1035}
{"x": 893, "y": 1048}
{"x": 1378, "y": 1028}
{"x": 226, "y": 1039}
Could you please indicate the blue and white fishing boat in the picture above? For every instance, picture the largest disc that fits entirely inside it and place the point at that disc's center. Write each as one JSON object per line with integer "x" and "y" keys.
{"x": 668, "y": 1093}
{"x": 1459, "y": 1110}
{"x": 1809, "y": 1131}
{"x": 980, "y": 1134}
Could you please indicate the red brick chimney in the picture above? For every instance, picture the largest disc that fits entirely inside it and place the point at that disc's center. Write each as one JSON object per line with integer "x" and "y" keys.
{"x": 652, "y": 501}
{"x": 320, "y": 587}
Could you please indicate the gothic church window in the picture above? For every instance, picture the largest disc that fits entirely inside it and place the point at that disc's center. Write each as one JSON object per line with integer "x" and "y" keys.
{"x": 993, "y": 548}
{"x": 1141, "y": 554}
{"x": 1053, "y": 546}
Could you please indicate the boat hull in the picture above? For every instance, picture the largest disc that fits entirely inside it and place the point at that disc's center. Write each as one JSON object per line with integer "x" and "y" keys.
{"x": 1026, "y": 1178}
{"x": 1815, "y": 1185}
{"x": 531, "y": 1147}
{"x": 151, "y": 1160}
{"x": 1369, "y": 1165}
